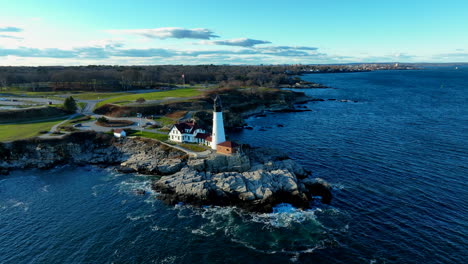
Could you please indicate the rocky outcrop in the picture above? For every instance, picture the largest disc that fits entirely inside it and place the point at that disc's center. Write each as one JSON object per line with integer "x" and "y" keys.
{"x": 134, "y": 155}
{"x": 256, "y": 180}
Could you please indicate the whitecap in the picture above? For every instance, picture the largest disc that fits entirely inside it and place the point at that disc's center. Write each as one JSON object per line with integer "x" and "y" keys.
{"x": 138, "y": 217}
{"x": 158, "y": 228}
{"x": 285, "y": 215}
{"x": 169, "y": 259}
{"x": 45, "y": 188}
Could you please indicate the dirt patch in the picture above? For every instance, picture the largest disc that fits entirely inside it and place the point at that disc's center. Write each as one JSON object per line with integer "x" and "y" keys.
{"x": 176, "y": 114}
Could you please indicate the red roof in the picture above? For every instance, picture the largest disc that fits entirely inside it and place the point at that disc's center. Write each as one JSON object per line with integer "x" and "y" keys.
{"x": 118, "y": 130}
{"x": 202, "y": 135}
{"x": 208, "y": 139}
{"x": 228, "y": 144}
{"x": 191, "y": 126}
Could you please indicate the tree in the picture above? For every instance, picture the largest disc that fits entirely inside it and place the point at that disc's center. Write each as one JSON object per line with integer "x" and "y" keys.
{"x": 69, "y": 105}
{"x": 140, "y": 100}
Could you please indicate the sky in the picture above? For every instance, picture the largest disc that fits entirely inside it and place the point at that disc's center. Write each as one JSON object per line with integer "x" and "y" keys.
{"x": 137, "y": 32}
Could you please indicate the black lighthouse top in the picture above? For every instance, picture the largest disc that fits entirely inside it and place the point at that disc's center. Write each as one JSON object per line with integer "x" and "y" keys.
{"x": 218, "y": 107}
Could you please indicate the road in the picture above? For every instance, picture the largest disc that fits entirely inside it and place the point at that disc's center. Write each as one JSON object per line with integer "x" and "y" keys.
{"x": 54, "y": 128}
{"x": 90, "y": 104}
{"x": 28, "y": 100}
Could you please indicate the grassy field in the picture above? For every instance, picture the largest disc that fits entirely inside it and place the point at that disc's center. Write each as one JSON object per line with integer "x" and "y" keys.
{"x": 11, "y": 132}
{"x": 80, "y": 105}
{"x": 137, "y": 133}
{"x": 97, "y": 96}
{"x": 56, "y": 95}
{"x": 31, "y": 94}
{"x": 178, "y": 93}
{"x": 193, "y": 147}
{"x": 76, "y": 120}
{"x": 165, "y": 121}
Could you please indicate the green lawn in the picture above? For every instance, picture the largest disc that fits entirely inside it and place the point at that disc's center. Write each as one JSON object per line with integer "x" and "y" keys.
{"x": 31, "y": 94}
{"x": 81, "y": 105}
{"x": 178, "y": 93}
{"x": 193, "y": 147}
{"x": 137, "y": 133}
{"x": 165, "y": 121}
{"x": 96, "y": 96}
{"x": 11, "y": 132}
{"x": 74, "y": 94}
{"x": 75, "y": 120}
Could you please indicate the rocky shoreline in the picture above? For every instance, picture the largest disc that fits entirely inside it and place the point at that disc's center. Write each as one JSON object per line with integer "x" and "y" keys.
{"x": 255, "y": 180}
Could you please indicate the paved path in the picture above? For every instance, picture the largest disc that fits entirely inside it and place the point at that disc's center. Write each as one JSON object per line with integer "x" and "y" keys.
{"x": 91, "y": 125}
{"x": 89, "y": 107}
{"x": 54, "y": 128}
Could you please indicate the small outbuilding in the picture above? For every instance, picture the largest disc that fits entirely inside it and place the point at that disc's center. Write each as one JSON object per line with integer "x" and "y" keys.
{"x": 203, "y": 139}
{"x": 227, "y": 147}
{"x": 119, "y": 133}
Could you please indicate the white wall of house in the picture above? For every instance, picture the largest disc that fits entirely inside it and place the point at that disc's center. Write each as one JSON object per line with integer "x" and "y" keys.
{"x": 176, "y": 136}
{"x": 121, "y": 134}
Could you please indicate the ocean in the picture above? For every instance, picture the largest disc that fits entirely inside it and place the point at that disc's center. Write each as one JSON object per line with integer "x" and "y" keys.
{"x": 395, "y": 152}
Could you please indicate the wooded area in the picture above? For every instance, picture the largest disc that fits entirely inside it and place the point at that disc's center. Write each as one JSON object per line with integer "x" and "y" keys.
{"x": 123, "y": 78}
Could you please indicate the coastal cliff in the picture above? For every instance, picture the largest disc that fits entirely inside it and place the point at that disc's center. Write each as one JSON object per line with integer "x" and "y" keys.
{"x": 256, "y": 180}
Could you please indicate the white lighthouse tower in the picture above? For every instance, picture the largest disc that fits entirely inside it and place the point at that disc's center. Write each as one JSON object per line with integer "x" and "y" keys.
{"x": 218, "y": 135}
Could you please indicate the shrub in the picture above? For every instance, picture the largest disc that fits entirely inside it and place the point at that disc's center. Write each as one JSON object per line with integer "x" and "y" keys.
{"x": 103, "y": 119}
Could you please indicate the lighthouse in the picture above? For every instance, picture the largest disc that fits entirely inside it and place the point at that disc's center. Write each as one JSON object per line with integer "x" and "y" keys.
{"x": 218, "y": 135}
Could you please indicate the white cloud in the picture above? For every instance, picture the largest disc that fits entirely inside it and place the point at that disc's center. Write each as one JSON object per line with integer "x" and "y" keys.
{"x": 169, "y": 32}
{"x": 241, "y": 42}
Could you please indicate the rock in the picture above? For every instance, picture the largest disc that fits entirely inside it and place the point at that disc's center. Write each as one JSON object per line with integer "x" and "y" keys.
{"x": 255, "y": 179}
{"x": 273, "y": 179}
{"x": 197, "y": 164}
{"x": 80, "y": 148}
{"x": 124, "y": 169}
{"x": 139, "y": 191}
{"x": 169, "y": 166}
{"x": 319, "y": 187}
{"x": 247, "y": 196}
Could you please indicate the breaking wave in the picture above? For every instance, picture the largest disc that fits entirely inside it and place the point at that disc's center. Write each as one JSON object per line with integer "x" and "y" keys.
{"x": 268, "y": 233}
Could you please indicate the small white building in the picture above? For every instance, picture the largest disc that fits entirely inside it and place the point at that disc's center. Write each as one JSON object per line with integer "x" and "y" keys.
{"x": 119, "y": 133}
{"x": 203, "y": 139}
{"x": 186, "y": 132}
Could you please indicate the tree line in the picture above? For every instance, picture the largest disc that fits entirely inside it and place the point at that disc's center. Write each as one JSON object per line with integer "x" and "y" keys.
{"x": 112, "y": 78}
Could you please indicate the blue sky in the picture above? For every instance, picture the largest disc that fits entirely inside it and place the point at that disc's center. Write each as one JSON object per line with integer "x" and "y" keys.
{"x": 50, "y": 32}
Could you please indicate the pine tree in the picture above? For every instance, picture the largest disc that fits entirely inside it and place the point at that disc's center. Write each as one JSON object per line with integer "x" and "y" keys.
{"x": 69, "y": 105}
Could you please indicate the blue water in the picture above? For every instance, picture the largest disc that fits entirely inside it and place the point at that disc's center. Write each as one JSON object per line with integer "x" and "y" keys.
{"x": 397, "y": 159}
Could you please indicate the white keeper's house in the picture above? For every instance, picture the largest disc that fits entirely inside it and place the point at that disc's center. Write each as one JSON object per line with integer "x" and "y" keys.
{"x": 189, "y": 132}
